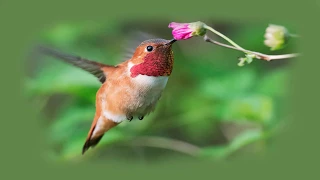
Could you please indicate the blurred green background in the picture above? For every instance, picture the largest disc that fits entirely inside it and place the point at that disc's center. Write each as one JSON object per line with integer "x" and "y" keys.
{"x": 211, "y": 108}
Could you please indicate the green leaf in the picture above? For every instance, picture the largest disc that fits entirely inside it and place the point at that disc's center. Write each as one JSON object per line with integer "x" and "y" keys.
{"x": 242, "y": 61}
{"x": 215, "y": 153}
{"x": 229, "y": 86}
{"x": 252, "y": 108}
{"x": 244, "y": 139}
{"x": 68, "y": 121}
{"x": 248, "y": 59}
{"x": 275, "y": 84}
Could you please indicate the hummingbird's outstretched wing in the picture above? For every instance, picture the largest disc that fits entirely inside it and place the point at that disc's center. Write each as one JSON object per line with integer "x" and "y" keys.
{"x": 90, "y": 66}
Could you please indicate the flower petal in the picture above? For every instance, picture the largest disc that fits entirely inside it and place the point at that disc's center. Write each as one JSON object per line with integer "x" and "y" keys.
{"x": 182, "y": 31}
{"x": 175, "y": 25}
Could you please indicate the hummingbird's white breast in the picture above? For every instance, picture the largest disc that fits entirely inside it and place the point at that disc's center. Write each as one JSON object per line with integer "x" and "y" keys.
{"x": 148, "y": 90}
{"x": 138, "y": 95}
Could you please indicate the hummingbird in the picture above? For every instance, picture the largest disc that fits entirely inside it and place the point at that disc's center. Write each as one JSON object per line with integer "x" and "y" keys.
{"x": 129, "y": 90}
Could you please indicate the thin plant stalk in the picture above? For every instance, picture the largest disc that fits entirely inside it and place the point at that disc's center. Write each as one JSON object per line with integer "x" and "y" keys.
{"x": 257, "y": 54}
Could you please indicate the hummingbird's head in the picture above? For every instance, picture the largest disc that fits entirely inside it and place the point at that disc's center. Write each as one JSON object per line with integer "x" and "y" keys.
{"x": 153, "y": 57}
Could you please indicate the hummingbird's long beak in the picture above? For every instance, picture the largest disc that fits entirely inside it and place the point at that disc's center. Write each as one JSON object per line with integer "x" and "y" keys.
{"x": 171, "y": 42}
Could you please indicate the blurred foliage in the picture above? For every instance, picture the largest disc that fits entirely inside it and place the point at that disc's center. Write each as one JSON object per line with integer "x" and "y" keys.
{"x": 209, "y": 102}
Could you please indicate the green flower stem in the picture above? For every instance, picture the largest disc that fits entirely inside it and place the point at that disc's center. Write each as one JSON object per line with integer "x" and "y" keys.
{"x": 282, "y": 56}
{"x": 257, "y": 54}
{"x": 294, "y": 35}
{"x": 223, "y": 36}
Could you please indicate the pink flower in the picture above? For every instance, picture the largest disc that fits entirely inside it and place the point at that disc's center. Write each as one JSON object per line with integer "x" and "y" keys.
{"x": 182, "y": 31}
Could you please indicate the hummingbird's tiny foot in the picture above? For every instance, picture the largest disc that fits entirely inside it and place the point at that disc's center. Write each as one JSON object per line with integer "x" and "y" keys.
{"x": 130, "y": 118}
{"x": 140, "y": 117}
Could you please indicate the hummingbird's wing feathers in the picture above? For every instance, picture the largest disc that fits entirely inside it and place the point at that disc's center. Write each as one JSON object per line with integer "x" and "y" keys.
{"x": 90, "y": 66}
{"x": 133, "y": 41}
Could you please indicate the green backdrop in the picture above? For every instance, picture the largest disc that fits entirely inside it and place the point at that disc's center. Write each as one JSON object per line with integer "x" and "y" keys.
{"x": 24, "y": 136}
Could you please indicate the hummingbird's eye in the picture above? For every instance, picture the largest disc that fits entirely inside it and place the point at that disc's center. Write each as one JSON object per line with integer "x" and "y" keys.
{"x": 149, "y": 48}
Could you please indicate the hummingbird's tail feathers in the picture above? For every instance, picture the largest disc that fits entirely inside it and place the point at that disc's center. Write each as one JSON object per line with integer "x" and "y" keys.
{"x": 97, "y": 130}
{"x": 95, "y": 68}
{"x": 91, "y": 143}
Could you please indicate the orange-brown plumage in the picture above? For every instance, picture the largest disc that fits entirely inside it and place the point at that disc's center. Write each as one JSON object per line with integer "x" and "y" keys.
{"x": 130, "y": 89}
